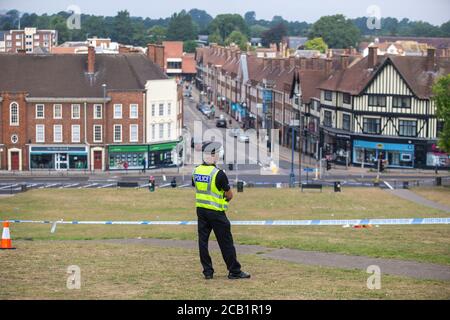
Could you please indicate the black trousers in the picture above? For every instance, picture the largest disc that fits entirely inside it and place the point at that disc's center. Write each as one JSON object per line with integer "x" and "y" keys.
{"x": 218, "y": 222}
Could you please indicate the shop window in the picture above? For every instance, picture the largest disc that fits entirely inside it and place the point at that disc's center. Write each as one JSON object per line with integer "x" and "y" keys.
{"x": 77, "y": 161}
{"x": 372, "y": 126}
{"x": 42, "y": 161}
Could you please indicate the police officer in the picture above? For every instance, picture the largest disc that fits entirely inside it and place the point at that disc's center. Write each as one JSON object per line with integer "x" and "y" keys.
{"x": 213, "y": 193}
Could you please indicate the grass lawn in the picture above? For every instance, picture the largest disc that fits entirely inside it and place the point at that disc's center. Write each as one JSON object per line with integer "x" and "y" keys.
{"x": 437, "y": 194}
{"x": 420, "y": 243}
{"x": 134, "y": 271}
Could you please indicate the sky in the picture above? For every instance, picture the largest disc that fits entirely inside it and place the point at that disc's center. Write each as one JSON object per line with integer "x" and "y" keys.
{"x": 433, "y": 11}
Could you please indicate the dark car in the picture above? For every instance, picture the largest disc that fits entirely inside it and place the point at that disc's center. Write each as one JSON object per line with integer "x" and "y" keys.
{"x": 221, "y": 123}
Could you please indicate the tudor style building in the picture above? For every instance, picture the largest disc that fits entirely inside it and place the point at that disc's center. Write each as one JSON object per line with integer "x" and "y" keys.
{"x": 382, "y": 107}
{"x": 86, "y": 112}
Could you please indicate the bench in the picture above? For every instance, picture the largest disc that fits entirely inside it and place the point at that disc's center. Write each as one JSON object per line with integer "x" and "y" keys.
{"x": 312, "y": 186}
{"x": 127, "y": 184}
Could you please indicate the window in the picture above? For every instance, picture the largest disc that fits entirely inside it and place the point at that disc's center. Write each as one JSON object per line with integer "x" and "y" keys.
{"x": 372, "y": 125}
{"x": 98, "y": 135}
{"x": 377, "y": 101}
{"x": 153, "y": 110}
{"x": 57, "y": 133}
{"x": 75, "y": 111}
{"x": 153, "y": 131}
{"x": 407, "y": 128}
{"x": 161, "y": 130}
{"x": 40, "y": 111}
{"x": 133, "y": 111}
{"x": 161, "y": 109}
{"x": 76, "y": 133}
{"x": 14, "y": 114}
{"x": 347, "y": 98}
{"x": 328, "y": 95}
{"x": 346, "y": 122}
{"x": 134, "y": 133}
{"x": 57, "y": 111}
{"x": 40, "y": 133}
{"x": 173, "y": 65}
{"x": 117, "y": 133}
{"x": 18, "y": 36}
{"x": 401, "y": 102}
{"x": 169, "y": 130}
{"x": 117, "y": 111}
{"x": 97, "y": 111}
{"x": 327, "y": 119}
{"x": 169, "y": 109}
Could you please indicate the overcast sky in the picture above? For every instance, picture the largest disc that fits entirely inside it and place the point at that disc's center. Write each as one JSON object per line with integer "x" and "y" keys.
{"x": 433, "y": 11}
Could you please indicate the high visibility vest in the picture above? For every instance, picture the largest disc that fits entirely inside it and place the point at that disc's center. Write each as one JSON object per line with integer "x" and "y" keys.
{"x": 207, "y": 195}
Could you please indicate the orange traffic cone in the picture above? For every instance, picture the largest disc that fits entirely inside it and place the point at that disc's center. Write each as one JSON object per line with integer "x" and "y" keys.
{"x": 6, "y": 238}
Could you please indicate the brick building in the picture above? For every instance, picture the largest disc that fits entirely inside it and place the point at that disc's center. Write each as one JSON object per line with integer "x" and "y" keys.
{"x": 83, "y": 112}
{"x": 30, "y": 40}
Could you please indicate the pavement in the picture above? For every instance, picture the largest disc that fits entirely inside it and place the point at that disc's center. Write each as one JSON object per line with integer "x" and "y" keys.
{"x": 414, "y": 197}
{"x": 395, "y": 267}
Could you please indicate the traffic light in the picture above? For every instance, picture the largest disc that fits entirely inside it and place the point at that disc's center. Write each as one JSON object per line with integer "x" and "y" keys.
{"x": 328, "y": 165}
{"x": 381, "y": 165}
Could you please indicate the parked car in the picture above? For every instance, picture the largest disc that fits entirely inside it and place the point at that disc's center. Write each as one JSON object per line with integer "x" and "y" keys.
{"x": 206, "y": 110}
{"x": 221, "y": 123}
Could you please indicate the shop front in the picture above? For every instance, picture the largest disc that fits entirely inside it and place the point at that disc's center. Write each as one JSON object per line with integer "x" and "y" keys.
{"x": 127, "y": 157}
{"x": 163, "y": 155}
{"x": 395, "y": 154}
{"x": 58, "y": 157}
{"x": 436, "y": 158}
{"x": 337, "y": 144}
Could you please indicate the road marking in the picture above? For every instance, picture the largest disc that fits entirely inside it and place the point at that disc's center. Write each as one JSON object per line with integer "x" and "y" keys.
{"x": 69, "y": 185}
{"x": 106, "y": 186}
{"x": 388, "y": 185}
{"x": 9, "y": 186}
{"x": 88, "y": 186}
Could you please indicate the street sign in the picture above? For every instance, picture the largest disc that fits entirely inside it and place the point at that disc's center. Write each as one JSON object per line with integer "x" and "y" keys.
{"x": 267, "y": 95}
{"x": 308, "y": 170}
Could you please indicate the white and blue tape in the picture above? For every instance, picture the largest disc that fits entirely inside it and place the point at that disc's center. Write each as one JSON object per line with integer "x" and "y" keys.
{"x": 408, "y": 221}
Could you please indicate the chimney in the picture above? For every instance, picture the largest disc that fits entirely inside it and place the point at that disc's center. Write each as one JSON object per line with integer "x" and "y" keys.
{"x": 156, "y": 54}
{"x": 315, "y": 63}
{"x": 431, "y": 58}
{"x": 344, "y": 62}
{"x": 292, "y": 62}
{"x": 328, "y": 66}
{"x": 372, "y": 58}
{"x": 329, "y": 53}
{"x": 91, "y": 59}
{"x": 151, "y": 52}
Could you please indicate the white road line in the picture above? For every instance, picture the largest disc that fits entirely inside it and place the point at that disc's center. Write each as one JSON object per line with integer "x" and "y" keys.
{"x": 9, "y": 186}
{"x": 88, "y": 186}
{"x": 388, "y": 185}
{"x": 70, "y": 185}
{"x": 49, "y": 185}
{"x": 106, "y": 186}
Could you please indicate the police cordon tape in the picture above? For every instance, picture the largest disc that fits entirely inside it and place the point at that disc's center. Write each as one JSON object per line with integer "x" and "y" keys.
{"x": 404, "y": 221}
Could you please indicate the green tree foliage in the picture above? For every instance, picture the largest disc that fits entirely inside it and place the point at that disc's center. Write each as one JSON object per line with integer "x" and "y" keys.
{"x": 122, "y": 28}
{"x": 215, "y": 38}
{"x": 157, "y": 34}
{"x": 274, "y": 34}
{"x": 201, "y": 18}
{"x": 316, "y": 44}
{"x": 225, "y": 24}
{"x": 257, "y": 30}
{"x": 181, "y": 27}
{"x": 337, "y": 31}
{"x": 250, "y": 18}
{"x": 445, "y": 29}
{"x": 441, "y": 92}
{"x": 189, "y": 46}
{"x": 237, "y": 38}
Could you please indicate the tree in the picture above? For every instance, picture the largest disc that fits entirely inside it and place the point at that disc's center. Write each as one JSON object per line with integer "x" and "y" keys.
{"x": 257, "y": 30}
{"x": 181, "y": 27}
{"x": 201, "y": 18}
{"x": 157, "y": 34}
{"x": 225, "y": 24}
{"x": 445, "y": 29}
{"x": 215, "y": 38}
{"x": 441, "y": 96}
{"x": 189, "y": 46}
{"x": 316, "y": 44}
{"x": 336, "y": 31}
{"x": 237, "y": 38}
{"x": 123, "y": 31}
{"x": 250, "y": 17}
{"x": 274, "y": 34}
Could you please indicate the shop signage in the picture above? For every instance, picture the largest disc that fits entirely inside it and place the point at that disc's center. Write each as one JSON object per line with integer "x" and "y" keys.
{"x": 141, "y": 148}
{"x": 58, "y": 149}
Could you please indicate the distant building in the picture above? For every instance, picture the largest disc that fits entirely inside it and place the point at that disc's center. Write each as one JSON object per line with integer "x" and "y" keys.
{"x": 256, "y": 42}
{"x": 295, "y": 43}
{"x": 29, "y": 39}
{"x": 398, "y": 48}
